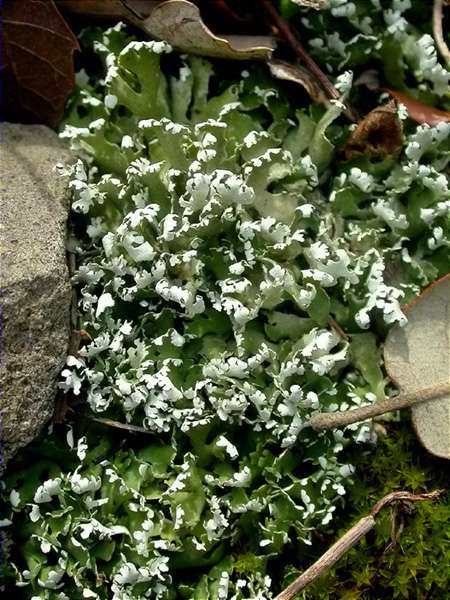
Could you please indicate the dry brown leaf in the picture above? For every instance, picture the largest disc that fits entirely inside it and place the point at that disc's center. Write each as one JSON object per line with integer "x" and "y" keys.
{"x": 38, "y": 50}
{"x": 417, "y": 356}
{"x": 141, "y": 8}
{"x": 219, "y": 13}
{"x": 420, "y": 112}
{"x": 379, "y": 134}
{"x": 131, "y": 11}
{"x": 283, "y": 70}
{"x": 179, "y": 22}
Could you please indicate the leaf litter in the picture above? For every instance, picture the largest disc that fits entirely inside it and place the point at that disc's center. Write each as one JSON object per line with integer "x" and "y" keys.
{"x": 417, "y": 356}
{"x": 38, "y": 55}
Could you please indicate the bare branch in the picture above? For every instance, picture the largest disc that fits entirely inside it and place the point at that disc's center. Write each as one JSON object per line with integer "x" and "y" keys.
{"x": 438, "y": 32}
{"x": 336, "y": 420}
{"x": 285, "y": 30}
{"x": 348, "y": 540}
{"x": 337, "y": 328}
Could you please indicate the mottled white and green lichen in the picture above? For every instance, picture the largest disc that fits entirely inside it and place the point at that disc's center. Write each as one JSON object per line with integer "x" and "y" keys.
{"x": 220, "y": 240}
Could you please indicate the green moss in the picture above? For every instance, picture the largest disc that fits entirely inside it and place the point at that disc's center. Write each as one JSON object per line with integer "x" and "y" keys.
{"x": 408, "y": 553}
{"x": 248, "y": 563}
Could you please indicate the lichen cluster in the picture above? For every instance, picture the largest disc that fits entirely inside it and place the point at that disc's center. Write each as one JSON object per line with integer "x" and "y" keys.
{"x": 221, "y": 239}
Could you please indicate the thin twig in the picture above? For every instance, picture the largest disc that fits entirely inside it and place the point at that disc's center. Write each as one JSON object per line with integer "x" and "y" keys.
{"x": 336, "y": 420}
{"x": 286, "y": 32}
{"x": 337, "y": 328}
{"x": 119, "y": 425}
{"x": 348, "y": 540}
{"x": 438, "y": 31}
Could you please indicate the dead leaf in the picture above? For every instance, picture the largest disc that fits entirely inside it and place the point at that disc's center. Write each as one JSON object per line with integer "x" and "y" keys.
{"x": 420, "y": 112}
{"x": 417, "y": 356}
{"x": 219, "y": 13}
{"x": 379, "y": 134}
{"x": 38, "y": 51}
{"x": 141, "y": 8}
{"x": 179, "y": 22}
{"x": 130, "y": 11}
{"x": 370, "y": 78}
{"x": 297, "y": 74}
{"x": 317, "y": 4}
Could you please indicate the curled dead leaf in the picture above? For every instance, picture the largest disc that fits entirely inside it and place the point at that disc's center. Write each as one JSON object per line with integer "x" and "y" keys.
{"x": 420, "y": 112}
{"x": 417, "y": 357}
{"x": 38, "y": 60}
{"x": 379, "y": 134}
{"x": 179, "y": 22}
{"x": 287, "y": 72}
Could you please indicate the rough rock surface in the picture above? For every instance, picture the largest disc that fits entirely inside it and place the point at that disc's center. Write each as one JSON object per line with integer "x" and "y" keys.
{"x": 35, "y": 288}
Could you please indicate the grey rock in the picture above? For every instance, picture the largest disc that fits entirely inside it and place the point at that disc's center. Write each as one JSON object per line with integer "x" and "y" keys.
{"x": 35, "y": 301}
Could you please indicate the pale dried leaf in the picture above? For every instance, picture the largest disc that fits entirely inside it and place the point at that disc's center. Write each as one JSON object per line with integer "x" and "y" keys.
{"x": 296, "y": 74}
{"x": 317, "y": 4}
{"x": 370, "y": 78}
{"x": 417, "y": 357}
{"x": 179, "y": 22}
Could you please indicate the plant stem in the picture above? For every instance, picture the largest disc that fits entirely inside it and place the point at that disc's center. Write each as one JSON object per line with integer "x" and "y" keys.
{"x": 119, "y": 425}
{"x": 288, "y": 35}
{"x": 336, "y": 420}
{"x": 348, "y": 540}
{"x": 335, "y": 325}
{"x": 286, "y": 31}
